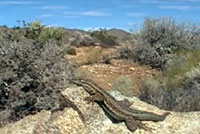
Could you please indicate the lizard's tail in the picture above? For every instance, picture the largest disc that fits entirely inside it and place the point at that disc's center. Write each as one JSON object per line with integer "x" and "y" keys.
{"x": 152, "y": 117}
{"x": 164, "y": 116}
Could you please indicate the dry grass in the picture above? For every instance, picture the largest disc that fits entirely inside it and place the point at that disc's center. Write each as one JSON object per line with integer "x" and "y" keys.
{"x": 90, "y": 55}
{"x": 93, "y": 55}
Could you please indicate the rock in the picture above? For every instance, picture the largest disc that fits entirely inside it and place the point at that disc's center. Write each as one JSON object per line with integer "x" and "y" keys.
{"x": 26, "y": 125}
{"x": 132, "y": 68}
{"x": 62, "y": 122}
{"x": 92, "y": 119}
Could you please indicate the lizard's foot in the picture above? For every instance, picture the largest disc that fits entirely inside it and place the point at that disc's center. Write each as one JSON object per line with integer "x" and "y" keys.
{"x": 133, "y": 124}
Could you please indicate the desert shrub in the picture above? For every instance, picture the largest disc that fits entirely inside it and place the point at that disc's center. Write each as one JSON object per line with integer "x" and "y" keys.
{"x": 124, "y": 86}
{"x": 93, "y": 55}
{"x": 126, "y": 51}
{"x": 81, "y": 39}
{"x": 17, "y": 34}
{"x": 37, "y": 31}
{"x": 70, "y": 51}
{"x": 104, "y": 38}
{"x": 12, "y": 34}
{"x": 178, "y": 67}
{"x": 179, "y": 85}
{"x": 34, "y": 29}
{"x": 107, "y": 58}
{"x": 52, "y": 33}
{"x": 184, "y": 98}
{"x": 162, "y": 37}
{"x": 194, "y": 72}
{"x": 31, "y": 78}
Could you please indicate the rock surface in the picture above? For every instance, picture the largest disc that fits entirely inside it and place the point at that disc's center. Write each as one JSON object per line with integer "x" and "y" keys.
{"x": 94, "y": 121}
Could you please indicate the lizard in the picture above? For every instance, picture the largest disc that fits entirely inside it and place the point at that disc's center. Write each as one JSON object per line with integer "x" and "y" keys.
{"x": 119, "y": 110}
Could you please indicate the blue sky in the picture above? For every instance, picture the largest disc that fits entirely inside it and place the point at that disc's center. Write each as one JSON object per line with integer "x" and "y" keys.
{"x": 92, "y": 14}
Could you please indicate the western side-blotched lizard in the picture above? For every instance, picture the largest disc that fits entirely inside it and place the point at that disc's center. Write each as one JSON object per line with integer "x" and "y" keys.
{"x": 119, "y": 110}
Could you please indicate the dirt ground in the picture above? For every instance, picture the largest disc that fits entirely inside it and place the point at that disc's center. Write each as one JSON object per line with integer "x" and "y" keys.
{"x": 106, "y": 75}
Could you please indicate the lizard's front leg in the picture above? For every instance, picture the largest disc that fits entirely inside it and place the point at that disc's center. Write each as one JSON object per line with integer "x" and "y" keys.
{"x": 125, "y": 103}
{"x": 93, "y": 98}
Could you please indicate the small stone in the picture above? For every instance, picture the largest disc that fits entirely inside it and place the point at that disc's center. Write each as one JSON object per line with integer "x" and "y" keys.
{"x": 132, "y": 68}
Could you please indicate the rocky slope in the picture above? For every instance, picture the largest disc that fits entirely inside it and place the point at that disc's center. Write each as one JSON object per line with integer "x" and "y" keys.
{"x": 93, "y": 120}
{"x": 120, "y": 34}
{"x": 83, "y": 38}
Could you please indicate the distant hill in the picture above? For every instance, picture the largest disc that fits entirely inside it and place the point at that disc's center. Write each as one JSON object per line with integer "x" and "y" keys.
{"x": 75, "y": 37}
{"x": 119, "y": 34}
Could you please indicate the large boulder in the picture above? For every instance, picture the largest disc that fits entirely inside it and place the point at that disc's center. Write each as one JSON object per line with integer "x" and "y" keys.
{"x": 91, "y": 119}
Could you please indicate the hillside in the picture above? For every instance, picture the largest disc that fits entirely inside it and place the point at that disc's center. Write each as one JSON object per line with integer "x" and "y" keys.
{"x": 119, "y": 34}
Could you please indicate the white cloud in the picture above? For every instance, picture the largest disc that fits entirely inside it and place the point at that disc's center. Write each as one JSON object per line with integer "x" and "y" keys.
{"x": 191, "y": 0}
{"x": 136, "y": 14}
{"x": 162, "y": 1}
{"x": 48, "y": 7}
{"x": 176, "y": 7}
{"x": 94, "y": 13}
{"x": 52, "y": 25}
{"x": 95, "y": 28}
{"x": 87, "y": 13}
{"x": 179, "y": 7}
{"x": 19, "y": 3}
{"x": 46, "y": 15}
{"x": 128, "y": 6}
{"x": 71, "y": 16}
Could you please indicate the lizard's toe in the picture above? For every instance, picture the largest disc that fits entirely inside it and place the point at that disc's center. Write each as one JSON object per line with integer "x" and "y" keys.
{"x": 143, "y": 126}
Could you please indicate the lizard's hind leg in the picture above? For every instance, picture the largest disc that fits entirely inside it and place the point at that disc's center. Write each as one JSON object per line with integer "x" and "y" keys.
{"x": 133, "y": 124}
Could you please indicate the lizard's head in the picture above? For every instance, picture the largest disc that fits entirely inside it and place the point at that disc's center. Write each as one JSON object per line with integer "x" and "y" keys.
{"x": 76, "y": 81}
{"x": 167, "y": 113}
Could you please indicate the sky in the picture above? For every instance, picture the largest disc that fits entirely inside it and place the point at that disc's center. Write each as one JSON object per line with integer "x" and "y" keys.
{"x": 94, "y": 14}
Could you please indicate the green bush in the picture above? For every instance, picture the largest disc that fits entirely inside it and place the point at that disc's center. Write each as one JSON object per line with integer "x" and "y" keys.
{"x": 34, "y": 29}
{"x": 52, "y": 33}
{"x": 160, "y": 38}
{"x": 126, "y": 51}
{"x": 104, "y": 38}
{"x": 178, "y": 67}
{"x": 12, "y": 34}
{"x": 70, "y": 51}
{"x": 37, "y": 31}
{"x": 32, "y": 74}
{"x": 179, "y": 85}
{"x": 184, "y": 98}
